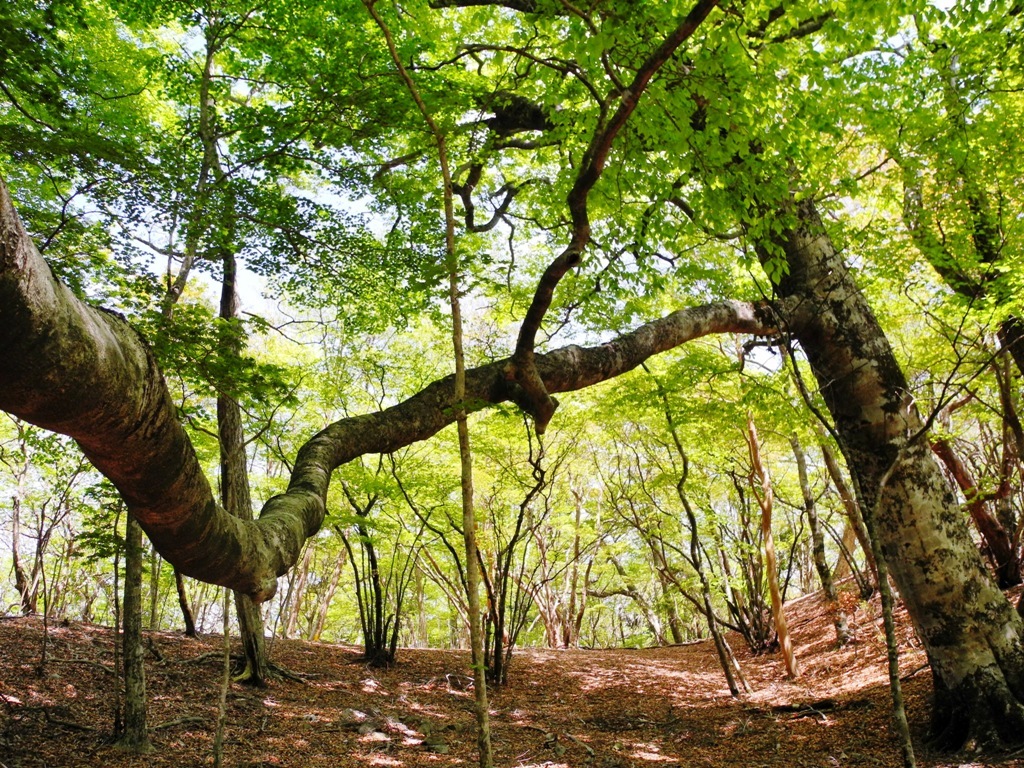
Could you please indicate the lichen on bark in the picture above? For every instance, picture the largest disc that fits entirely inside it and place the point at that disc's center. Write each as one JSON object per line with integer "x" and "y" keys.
{"x": 971, "y": 632}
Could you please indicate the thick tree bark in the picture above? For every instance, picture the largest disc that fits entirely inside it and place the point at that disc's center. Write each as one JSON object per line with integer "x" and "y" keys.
{"x": 970, "y": 631}
{"x": 235, "y": 494}
{"x": 84, "y": 372}
{"x": 135, "y": 737}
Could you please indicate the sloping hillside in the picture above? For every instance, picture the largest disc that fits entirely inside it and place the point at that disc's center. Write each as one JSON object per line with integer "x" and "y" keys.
{"x": 655, "y": 708}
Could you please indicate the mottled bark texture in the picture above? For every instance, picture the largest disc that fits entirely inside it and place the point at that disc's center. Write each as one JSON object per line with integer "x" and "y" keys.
{"x": 970, "y": 631}
{"x": 84, "y": 372}
{"x": 235, "y": 494}
{"x": 135, "y": 737}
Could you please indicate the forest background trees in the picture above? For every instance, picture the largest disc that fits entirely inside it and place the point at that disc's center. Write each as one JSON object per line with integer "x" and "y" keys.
{"x": 830, "y": 189}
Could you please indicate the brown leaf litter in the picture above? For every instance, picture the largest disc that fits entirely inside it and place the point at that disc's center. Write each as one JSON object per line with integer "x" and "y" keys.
{"x": 653, "y": 708}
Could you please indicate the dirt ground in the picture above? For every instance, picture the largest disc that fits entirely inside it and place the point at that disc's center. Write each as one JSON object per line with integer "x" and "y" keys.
{"x": 655, "y": 708}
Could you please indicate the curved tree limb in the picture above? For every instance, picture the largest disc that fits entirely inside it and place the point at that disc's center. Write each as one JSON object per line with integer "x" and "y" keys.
{"x": 523, "y": 364}
{"x": 84, "y": 372}
{"x": 525, "y": 6}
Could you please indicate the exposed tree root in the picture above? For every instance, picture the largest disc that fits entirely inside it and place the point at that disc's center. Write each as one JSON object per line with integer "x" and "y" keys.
{"x": 274, "y": 672}
{"x": 981, "y": 716}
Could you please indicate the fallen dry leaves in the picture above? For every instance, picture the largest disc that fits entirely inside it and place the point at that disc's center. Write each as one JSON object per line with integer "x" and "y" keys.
{"x": 655, "y": 708}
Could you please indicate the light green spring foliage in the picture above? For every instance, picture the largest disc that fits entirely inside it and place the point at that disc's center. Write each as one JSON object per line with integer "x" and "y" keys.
{"x": 330, "y": 192}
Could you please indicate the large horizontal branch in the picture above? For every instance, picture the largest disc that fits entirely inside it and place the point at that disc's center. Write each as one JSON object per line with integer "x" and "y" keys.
{"x": 526, "y": 6}
{"x": 85, "y": 372}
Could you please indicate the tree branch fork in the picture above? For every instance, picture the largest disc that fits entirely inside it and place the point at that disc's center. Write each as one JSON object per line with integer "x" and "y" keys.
{"x": 85, "y": 372}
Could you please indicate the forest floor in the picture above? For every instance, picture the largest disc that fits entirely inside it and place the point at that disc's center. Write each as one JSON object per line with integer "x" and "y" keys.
{"x": 655, "y": 708}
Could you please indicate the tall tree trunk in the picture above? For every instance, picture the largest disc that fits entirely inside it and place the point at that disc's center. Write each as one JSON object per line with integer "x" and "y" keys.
{"x": 155, "y": 566}
{"x": 971, "y": 633}
{"x": 295, "y": 609}
{"x": 847, "y": 540}
{"x": 234, "y": 478}
{"x": 134, "y": 737}
{"x": 186, "y": 610}
{"x": 26, "y": 593}
{"x": 771, "y": 567}
{"x": 843, "y": 635}
{"x": 476, "y": 632}
{"x": 328, "y": 598}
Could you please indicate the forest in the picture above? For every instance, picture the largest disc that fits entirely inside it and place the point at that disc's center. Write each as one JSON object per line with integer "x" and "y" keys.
{"x": 497, "y": 325}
